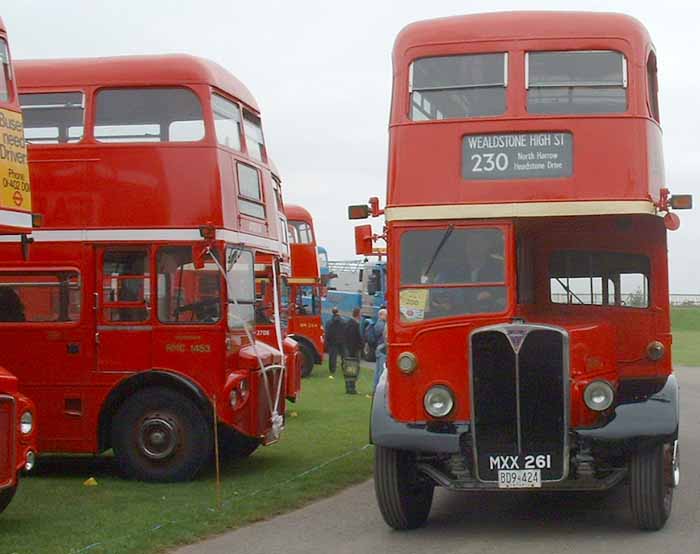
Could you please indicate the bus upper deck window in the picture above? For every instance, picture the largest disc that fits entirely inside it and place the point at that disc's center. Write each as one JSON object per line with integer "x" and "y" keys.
{"x": 449, "y": 87}
{"x": 5, "y": 74}
{"x": 227, "y": 122}
{"x": 577, "y": 82}
{"x": 53, "y": 117}
{"x": 148, "y": 115}
{"x": 254, "y": 136}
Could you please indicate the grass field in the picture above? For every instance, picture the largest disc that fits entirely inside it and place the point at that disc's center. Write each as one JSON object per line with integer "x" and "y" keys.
{"x": 686, "y": 336}
{"x": 322, "y": 450}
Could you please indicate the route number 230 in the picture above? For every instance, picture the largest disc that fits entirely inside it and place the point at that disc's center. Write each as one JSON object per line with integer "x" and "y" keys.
{"x": 489, "y": 162}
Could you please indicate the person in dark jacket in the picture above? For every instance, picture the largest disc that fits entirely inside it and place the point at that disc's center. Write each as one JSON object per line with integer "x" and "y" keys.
{"x": 335, "y": 337}
{"x": 353, "y": 350}
{"x": 353, "y": 336}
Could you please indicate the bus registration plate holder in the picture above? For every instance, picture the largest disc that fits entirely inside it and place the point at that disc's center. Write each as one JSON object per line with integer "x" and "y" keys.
{"x": 519, "y": 479}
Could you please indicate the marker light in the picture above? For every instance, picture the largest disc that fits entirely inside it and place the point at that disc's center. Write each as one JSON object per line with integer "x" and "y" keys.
{"x": 681, "y": 201}
{"x": 655, "y": 350}
{"x": 358, "y": 211}
{"x": 26, "y": 423}
{"x": 599, "y": 396}
{"x": 438, "y": 401}
{"x": 407, "y": 362}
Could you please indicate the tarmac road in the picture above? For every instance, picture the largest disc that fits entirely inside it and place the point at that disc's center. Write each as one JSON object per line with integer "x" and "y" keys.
{"x": 475, "y": 523}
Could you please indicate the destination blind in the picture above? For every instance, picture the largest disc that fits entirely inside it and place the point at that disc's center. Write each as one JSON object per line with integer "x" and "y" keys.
{"x": 517, "y": 156}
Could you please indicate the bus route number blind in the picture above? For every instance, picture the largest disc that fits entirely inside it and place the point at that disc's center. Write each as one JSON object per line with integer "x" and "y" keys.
{"x": 517, "y": 156}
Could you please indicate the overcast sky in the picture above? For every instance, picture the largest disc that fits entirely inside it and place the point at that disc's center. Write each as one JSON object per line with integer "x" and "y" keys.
{"x": 321, "y": 72}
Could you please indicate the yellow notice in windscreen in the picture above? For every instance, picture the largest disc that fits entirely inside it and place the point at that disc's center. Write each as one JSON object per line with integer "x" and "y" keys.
{"x": 15, "y": 191}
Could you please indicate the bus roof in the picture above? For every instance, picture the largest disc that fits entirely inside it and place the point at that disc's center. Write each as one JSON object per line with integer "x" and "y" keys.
{"x": 2, "y": 26}
{"x": 520, "y": 25}
{"x": 297, "y": 213}
{"x": 168, "y": 69}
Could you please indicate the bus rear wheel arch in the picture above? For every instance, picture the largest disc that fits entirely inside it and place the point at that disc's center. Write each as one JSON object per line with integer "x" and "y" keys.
{"x": 161, "y": 435}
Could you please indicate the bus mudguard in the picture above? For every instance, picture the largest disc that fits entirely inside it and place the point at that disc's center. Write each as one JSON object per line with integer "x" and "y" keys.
{"x": 386, "y": 431}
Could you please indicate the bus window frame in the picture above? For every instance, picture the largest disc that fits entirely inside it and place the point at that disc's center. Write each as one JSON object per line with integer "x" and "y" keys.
{"x": 260, "y": 202}
{"x": 624, "y": 84}
{"x": 51, "y": 270}
{"x": 241, "y": 132}
{"x": 204, "y": 104}
{"x": 87, "y": 114}
{"x": 506, "y": 53}
{"x": 509, "y": 283}
{"x": 649, "y": 293}
{"x": 245, "y": 111}
{"x": 11, "y": 81}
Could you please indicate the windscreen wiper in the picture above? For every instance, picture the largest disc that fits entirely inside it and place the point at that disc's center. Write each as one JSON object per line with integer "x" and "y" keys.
{"x": 443, "y": 240}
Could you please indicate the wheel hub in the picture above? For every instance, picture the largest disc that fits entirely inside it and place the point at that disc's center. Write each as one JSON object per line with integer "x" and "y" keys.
{"x": 676, "y": 465}
{"x": 158, "y": 437}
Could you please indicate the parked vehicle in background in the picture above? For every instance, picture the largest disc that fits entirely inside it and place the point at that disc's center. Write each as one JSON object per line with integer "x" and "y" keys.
{"x": 15, "y": 189}
{"x": 304, "y": 288}
{"x": 17, "y": 436}
{"x": 513, "y": 362}
{"x": 152, "y": 176}
{"x": 17, "y": 413}
{"x": 357, "y": 284}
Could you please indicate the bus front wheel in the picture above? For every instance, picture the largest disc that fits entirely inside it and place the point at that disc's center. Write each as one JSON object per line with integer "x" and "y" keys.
{"x": 403, "y": 494}
{"x": 160, "y": 435}
{"x": 653, "y": 474}
{"x": 307, "y": 360}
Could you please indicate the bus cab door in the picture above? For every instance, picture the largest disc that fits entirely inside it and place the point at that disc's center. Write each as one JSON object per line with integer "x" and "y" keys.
{"x": 123, "y": 334}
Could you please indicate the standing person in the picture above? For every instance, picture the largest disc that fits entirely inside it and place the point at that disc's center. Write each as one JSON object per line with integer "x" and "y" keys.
{"x": 334, "y": 339}
{"x": 353, "y": 336}
{"x": 353, "y": 350}
{"x": 380, "y": 352}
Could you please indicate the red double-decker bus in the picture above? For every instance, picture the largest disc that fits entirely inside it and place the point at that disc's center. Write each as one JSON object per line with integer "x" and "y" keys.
{"x": 298, "y": 287}
{"x": 529, "y": 341}
{"x": 15, "y": 190}
{"x": 136, "y": 296}
{"x": 304, "y": 293}
{"x": 17, "y": 436}
{"x": 17, "y": 414}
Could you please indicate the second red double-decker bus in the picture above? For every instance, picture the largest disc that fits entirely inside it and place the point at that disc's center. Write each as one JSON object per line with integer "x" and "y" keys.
{"x": 136, "y": 296}
{"x": 17, "y": 414}
{"x": 304, "y": 292}
{"x": 529, "y": 340}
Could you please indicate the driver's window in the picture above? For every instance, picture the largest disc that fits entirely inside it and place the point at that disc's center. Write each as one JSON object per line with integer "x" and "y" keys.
{"x": 187, "y": 294}
{"x": 126, "y": 292}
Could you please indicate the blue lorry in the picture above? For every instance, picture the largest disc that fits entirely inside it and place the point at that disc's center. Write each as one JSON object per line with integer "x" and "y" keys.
{"x": 356, "y": 284}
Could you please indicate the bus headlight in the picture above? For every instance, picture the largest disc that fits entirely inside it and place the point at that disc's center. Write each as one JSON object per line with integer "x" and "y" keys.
{"x": 407, "y": 362}
{"x": 599, "y": 396}
{"x": 26, "y": 423}
{"x": 233, "y": 399}
{"x": 438, "y": 401}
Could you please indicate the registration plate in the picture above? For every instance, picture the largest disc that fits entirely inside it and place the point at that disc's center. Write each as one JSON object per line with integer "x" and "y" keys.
{"x": 519, "y": 479}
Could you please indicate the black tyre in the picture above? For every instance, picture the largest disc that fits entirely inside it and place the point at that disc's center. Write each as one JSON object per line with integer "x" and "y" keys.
{"x": 6, "y": 496}
{"x": 307, "y": 360}
{"x": 368, "y": 352}
{"x": 233, "y": 444}
{"x": 160, "y": 435}
{"x": 651, "y": 484}
{"x": 404, "y": 496}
